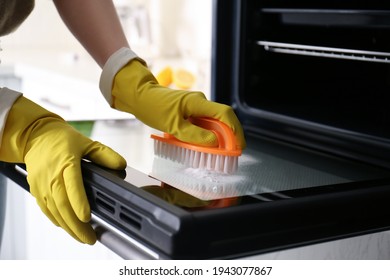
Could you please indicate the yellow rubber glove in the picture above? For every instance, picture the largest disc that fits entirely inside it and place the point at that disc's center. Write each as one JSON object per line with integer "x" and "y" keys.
{"x": 135, "y": 90}
{"x": 52, "y": 151}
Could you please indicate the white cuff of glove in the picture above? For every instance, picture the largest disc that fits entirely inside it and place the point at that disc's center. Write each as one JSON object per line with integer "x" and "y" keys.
{"x": 116, "y": 61}
{"x": 7, "y": 99}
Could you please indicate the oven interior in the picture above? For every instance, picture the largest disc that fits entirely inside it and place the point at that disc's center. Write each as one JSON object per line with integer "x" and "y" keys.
{"x": 317, "y": 74}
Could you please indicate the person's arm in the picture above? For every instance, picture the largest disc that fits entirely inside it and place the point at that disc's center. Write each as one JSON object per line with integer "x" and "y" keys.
{"x": 96, "y": 26}
{"x": 129, "y": 86}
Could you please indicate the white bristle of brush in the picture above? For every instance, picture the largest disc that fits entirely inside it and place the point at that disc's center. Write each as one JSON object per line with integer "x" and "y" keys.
{"x": 195, "y": 159}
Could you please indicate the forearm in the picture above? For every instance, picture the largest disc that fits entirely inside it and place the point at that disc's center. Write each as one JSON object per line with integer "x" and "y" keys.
{"x": 96, "y": 26}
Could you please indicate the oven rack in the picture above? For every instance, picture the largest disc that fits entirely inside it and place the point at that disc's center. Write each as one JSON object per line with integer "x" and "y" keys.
{"x": 327, "y": 52}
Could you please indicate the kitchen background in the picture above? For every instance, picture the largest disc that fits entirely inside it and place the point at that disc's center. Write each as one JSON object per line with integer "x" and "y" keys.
{"x": 44, "y": 61}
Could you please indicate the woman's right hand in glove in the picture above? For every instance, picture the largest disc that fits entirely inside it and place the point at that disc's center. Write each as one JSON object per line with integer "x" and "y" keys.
{"x": 52, "y": 151}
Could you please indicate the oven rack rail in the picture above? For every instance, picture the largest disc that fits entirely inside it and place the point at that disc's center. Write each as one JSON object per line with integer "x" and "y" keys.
{"x": 326, "y": 52}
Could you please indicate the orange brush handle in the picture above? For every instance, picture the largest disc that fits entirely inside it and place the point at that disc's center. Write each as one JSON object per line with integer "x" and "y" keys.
{"x": 227, "y": 144}
{"x": 225, "y": 136}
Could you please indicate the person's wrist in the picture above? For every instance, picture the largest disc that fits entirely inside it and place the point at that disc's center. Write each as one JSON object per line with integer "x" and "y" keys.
{"x": 114, "y": 64}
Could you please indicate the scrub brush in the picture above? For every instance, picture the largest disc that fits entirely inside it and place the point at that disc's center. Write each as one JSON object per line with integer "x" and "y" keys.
{"x": 223, "y": 158}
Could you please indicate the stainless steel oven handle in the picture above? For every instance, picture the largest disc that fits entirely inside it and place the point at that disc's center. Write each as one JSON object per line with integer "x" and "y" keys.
{"x": 124, "y": 246}
{"x": 338, "y": 53}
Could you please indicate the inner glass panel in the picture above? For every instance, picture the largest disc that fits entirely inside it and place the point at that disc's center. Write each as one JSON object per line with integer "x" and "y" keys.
{"x": 265, "y": 167}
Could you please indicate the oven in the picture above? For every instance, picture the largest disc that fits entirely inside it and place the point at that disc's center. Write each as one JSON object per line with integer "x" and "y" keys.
{"x": 310, "y": 84}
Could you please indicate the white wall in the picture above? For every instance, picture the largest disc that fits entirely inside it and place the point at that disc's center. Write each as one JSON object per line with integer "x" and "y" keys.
{"x": 41, "y": 31}
{"x": 180, "y": 34}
